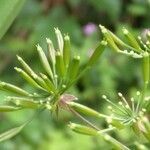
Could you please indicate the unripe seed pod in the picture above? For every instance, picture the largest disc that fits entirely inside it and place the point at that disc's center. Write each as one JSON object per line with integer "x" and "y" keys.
{"x": 85, "y": 110}
{"x": 24, "y": 102}
{"x": 131, "y": 39}
{"x": 66, "y": 50}
{"x": 50, "y": 85}
{"x": 83, "y": 129}
{"x": 14, "y": 89}
{"x": 51, "y": 51}
{"x": 97, "y": 53}
{"x": 8, "y": 108}
{"x": 73, "y": 68}
{"x": 60, "y": 68}
{"x": 27, "y": 77}
{"x": 59, "y": 40}
{"x": 146, "y": 67}
{"x": 44, "y": 61}
{"x": 115, "y": 123}
{"x": 109, "y": 39}
{"x": 25, "y": 66}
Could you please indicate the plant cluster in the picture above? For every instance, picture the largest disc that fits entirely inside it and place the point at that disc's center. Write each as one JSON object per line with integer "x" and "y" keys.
{"x": 132, "y": 113}
{"x": 62, "y": 69}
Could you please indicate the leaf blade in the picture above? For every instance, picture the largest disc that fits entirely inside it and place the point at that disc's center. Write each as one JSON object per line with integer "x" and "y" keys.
{"x": 10, "y": 133}
{"x": 7, "y": 17}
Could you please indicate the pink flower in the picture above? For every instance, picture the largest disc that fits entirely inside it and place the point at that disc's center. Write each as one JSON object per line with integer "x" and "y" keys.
{"x": 89, "y": 29}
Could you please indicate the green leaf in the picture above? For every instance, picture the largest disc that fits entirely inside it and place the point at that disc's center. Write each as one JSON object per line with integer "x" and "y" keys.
{"x": 8, "y": 12}
{"x": 10, "y": 133}
{"x": 14, "y": 131}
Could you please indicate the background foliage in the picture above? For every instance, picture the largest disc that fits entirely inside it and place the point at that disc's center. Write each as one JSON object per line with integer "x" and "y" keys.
{"x": 113, "y": 73}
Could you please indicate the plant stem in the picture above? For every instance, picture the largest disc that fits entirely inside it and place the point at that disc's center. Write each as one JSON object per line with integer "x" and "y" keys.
{"x": 83, "y": 119}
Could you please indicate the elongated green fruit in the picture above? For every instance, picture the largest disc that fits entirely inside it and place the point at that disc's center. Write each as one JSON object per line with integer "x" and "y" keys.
{"x": 14, "y": 89}
{"x": 8, "y": 108}
{"x": 36, "y": 78}
{"x": 44, "y": 61}
{"x": 51, "y": 51}
{"x": 85, "y": 110}
{"x": 25, "y": 66}
{"x": 48, "y": 82}
{"x": 109, "y": 39}
{"x": 97, "y": 53}
{"x": 114, "y": 142}
{"x": 131, "y": 39}
{"x": 41, "y": 82}
{"x": 146, "y": 128}
{"x": 27, "y": 77}
{"x": 73, "y": 68}
{"x": 120, "y": 42}
{"x": 146, "y": 67}
{"x": 116, "y": 123}
{"x": 60, "y": 68}
{"x": 66, "y": 50}
{"x": 116, "y": 39}
{"x": 24, "y": 102}
{"x": 59, "y": 40}
{"x": 82, "y": 129}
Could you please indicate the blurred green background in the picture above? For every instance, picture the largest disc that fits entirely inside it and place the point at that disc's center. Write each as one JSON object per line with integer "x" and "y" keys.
{"x": 113, "y": 73}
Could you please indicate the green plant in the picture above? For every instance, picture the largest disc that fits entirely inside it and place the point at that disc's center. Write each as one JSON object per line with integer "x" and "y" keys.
{"x": 62, "y": 70}
{"x": 131, "y": 113}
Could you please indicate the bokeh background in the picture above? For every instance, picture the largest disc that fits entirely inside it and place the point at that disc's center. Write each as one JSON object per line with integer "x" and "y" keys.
{"x": 112, "y": 73}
